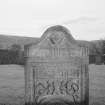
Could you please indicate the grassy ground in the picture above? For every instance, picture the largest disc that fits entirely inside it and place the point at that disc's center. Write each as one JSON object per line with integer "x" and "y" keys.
{"x": 12, "y": 84}
{"x": 97, "y": 84}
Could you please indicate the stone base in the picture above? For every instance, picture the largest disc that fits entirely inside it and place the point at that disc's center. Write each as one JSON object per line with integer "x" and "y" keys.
{"x": 57, "y": 103}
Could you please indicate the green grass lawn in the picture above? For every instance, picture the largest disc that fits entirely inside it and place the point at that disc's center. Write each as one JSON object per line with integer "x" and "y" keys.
{"x": 12, "y": 84}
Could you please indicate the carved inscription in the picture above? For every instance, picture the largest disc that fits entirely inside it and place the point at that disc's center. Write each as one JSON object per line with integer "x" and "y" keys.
{"x": 61, "y": 84}
{"x": 65, "y": 87}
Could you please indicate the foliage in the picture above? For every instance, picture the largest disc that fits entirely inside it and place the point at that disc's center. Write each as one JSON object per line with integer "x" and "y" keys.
{"x": 11, "y": 57}
{"x": 15, "y": 47}
{"x": 97, "y": 47}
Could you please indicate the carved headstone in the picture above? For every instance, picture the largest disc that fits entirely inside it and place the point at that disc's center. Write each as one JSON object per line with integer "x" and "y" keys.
{"x": 56, "y": 70}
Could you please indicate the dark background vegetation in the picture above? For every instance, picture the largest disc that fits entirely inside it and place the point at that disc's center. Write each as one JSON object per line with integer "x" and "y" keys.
{"x": 12, "y": 49}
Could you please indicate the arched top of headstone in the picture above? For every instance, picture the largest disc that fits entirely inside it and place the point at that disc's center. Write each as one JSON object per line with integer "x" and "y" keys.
{"x": 53, "y": 32}
{"x": 55, "y": 39}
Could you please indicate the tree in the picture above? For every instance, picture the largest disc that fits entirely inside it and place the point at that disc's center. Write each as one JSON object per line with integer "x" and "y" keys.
{"x": 104, "y": 47}
{"x": 1, "y": 46}
{"x": 98, "y": 47}
{"x": 15, "y": 47}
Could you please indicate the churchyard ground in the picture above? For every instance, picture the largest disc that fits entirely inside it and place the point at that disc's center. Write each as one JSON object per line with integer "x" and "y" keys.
{"x": 12, "y": 84}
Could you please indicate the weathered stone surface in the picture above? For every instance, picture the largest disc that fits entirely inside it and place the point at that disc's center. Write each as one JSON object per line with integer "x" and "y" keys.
{"x": 56, "y": 68}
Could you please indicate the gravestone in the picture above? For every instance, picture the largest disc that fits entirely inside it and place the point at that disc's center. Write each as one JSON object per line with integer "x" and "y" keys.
{"x": 56, "y": 70}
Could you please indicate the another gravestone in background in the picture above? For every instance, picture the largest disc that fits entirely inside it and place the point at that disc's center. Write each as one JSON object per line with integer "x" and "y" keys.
{"x": 56, "y": 70}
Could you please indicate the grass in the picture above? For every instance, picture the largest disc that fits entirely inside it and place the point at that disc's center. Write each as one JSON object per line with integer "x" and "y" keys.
{"x": 12, "y": 84}
{"x": 97, "y": 84}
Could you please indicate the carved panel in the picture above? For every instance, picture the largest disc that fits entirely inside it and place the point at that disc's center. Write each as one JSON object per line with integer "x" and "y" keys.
{"x": 61, "y": 78}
